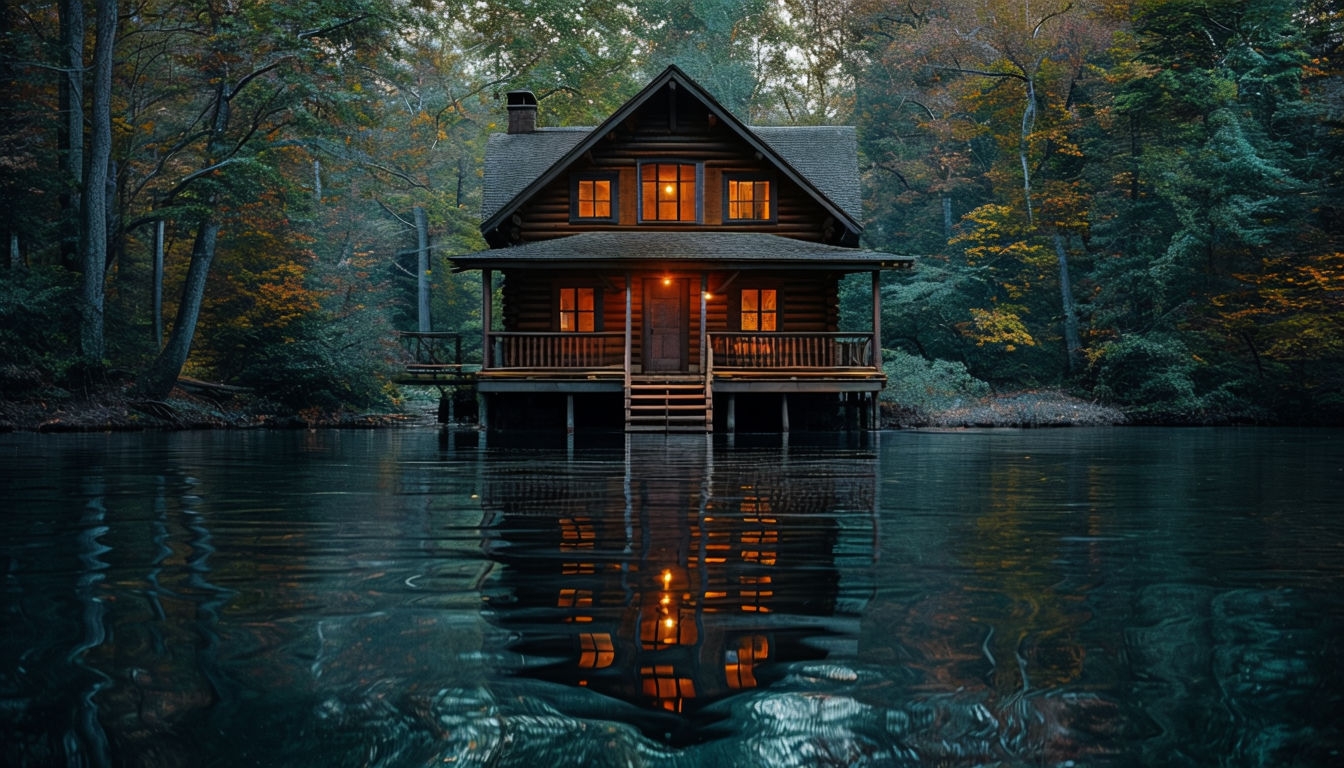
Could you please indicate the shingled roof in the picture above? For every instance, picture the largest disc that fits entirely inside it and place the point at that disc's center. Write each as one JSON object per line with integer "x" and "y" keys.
{"x": 725, "y": 250}
{"x": 821, "y": 159}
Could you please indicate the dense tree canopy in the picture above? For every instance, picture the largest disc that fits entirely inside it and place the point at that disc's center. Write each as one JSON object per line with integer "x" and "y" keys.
{"x": 1138, "y": 200}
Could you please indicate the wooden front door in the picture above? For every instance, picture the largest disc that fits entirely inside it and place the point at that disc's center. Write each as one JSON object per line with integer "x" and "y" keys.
{"x": 665, "y": 328}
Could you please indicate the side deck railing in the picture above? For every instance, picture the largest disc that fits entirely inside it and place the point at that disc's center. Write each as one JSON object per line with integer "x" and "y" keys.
{"x": 768, "y": 351}
{"x": 557, "y": 350}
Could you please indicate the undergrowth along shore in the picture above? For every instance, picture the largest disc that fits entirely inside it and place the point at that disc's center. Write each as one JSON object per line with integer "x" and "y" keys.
{"x": 121, "y": 411}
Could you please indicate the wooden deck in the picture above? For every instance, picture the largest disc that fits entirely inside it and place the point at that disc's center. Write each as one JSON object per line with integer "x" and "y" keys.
{"x": 735, "y": 364}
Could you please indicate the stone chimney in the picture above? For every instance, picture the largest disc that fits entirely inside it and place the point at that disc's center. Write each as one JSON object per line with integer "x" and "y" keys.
{"x": 522, "y": 112}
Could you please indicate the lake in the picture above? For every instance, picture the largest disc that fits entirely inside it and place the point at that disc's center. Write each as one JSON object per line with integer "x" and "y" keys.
{"x": 408, "y": 597}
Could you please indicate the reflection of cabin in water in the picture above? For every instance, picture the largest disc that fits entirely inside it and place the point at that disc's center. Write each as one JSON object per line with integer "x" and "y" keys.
{"x": 673, "y": 269}
{"x": 669, "y": 588}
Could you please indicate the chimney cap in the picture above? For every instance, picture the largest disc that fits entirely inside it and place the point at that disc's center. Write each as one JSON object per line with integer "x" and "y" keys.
{"x": 521, "y": 99}
{"x": 522, "y": 112}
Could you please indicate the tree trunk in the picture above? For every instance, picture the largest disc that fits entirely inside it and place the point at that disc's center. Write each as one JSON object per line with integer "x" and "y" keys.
{"x": 1028, "y": 125}
{"x": 70, "y": 130}
{"x": 162, "y": 374}
{"x": 157, "y": 287}
{"x": 422, "y": 267}
{"x": 94, "y": 203}
{"x": 158, "y": 380}
{"x": 1073, "y": 342}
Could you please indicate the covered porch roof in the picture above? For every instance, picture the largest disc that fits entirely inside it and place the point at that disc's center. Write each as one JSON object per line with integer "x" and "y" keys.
{"x": 685, "y": 250}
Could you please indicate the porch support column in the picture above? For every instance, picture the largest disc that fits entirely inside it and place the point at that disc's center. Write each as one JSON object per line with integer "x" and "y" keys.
{"x": 877, "y": 318}
{"x": 784, "y": 412}
{"x": 629, "y": 304}
{"x": 487, "y": 311}
{"x": 704, "y": 337}
{"x": 569, "y": 413}
{"x": 732, "y": 412}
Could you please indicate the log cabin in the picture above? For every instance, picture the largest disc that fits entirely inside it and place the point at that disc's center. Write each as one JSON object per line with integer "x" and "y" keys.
{"x": 673, "y": 269}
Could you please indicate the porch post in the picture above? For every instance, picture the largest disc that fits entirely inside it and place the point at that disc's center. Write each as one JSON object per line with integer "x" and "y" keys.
{"x": 487, "y": 309}
{"x": 629, "y": 299}
{"x": 704, "y": 288}
{"x": 784, "y": 412}
{"x": 877, "y": 318}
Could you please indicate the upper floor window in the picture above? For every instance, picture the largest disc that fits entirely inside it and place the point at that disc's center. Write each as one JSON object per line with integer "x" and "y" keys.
{"x": 748, "y": 199}
{"x": 668, "y": 192}
{"x": 578, "y": 310}
{"x": 759, "y": 309}
{"x": 593, "y": 198}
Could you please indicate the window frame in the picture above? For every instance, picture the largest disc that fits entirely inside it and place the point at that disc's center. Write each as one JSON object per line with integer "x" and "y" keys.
{"x": 576, "y": 180}
{"x": 778, "y": 311}
{"x": 557, "y": 319}
{"x": 697, "y": 199}
{"x": 754, "y": 178}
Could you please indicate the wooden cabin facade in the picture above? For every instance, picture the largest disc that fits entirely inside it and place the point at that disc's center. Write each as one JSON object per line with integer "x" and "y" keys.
{"x": 673, "y": 269}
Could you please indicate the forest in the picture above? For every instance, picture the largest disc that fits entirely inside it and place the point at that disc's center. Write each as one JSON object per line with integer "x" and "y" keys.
{"x": 1139, "y": 203}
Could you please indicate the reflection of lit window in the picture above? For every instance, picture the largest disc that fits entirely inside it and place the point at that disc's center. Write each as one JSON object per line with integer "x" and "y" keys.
{"x": 759, "y": 538}
{"x": 759, "y": 310}
{"x": 662, "y": 684}
{"x": 666, "y": 625}
{"x": 597, "y": 650}
{"x": 740, "y": 662}
{"x": 755, "y": 589}
{"x": 578, "y": 310}
{"x": 576, "y": 598}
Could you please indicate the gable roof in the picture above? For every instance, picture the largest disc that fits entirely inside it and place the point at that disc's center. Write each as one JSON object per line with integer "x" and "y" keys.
{"x": 823, "y": 160}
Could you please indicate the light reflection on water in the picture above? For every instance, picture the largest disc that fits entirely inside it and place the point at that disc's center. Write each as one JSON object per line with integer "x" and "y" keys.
{"x": 1088, "y": 597}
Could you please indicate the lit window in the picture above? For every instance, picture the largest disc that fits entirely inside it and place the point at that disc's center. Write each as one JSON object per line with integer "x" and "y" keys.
{"x": 749, "y": 200}
{"x": 667, "y": 192}
{"x": 594, "y": 198}
{"x": 759, "y": 312}
{"x": 578, "y": 310}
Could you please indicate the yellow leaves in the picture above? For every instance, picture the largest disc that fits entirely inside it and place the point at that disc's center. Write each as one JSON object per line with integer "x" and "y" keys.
{"x": 1001, "y": 324}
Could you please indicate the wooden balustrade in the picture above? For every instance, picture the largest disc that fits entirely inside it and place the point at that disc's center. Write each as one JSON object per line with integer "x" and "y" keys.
{"x": 791, "y": 350}
{"x": 558, "y": 350}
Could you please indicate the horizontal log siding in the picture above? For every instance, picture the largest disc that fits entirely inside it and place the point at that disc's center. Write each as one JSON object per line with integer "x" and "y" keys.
{"x": 808, "y": 302}
{"x": 646, "y": 137}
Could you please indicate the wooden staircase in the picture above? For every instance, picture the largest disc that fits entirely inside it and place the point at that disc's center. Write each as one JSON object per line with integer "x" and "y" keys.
{"x": 668, "y": 403}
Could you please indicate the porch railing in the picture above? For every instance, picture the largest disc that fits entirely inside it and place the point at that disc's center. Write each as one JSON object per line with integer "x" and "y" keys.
{"x": 791, "y": 350}
{"x": 557, "y": 350}
{"x": 431, "y": 350}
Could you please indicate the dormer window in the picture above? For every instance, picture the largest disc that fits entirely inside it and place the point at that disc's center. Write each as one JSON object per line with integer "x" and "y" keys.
{"x": 669, "y": 192}
{"x": 748, "y": 198}
{"x": 593, "y": 198}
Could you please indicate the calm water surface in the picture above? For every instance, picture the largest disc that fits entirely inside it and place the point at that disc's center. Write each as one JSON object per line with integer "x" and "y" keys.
{"x": 403, "y": 598}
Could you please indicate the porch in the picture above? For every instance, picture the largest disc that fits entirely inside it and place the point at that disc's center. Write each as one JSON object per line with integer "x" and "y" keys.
{"x": 734, "y": 364}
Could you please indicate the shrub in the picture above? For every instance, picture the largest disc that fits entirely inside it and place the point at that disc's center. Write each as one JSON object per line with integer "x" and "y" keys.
{"x": 920, "y": 388}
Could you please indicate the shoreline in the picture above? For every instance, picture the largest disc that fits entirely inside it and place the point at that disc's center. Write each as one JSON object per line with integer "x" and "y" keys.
{"x": 189, "y": 408}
